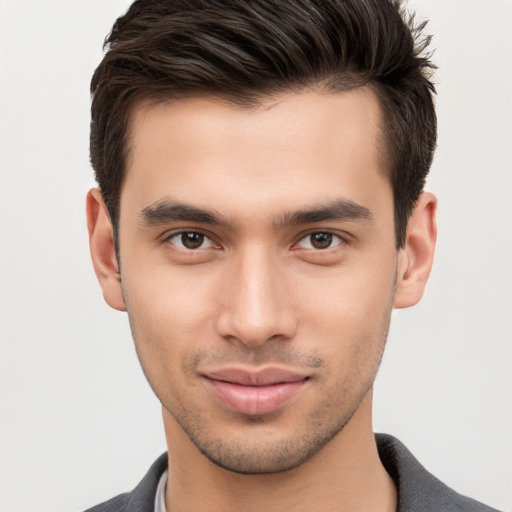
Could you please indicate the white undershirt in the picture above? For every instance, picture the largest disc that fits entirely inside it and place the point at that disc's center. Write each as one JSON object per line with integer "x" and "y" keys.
{"x": 160, "y": 494}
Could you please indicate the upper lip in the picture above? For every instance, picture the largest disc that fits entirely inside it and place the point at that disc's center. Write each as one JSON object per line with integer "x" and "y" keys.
{"x": 257, "y": 377}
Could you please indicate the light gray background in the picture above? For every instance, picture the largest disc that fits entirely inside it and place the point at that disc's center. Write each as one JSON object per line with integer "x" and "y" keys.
{"x": 78, "y": 421}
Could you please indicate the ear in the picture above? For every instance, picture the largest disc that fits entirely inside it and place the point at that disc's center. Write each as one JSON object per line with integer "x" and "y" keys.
{"x": 416, "y": 257}
{"x": 101, "y": 243}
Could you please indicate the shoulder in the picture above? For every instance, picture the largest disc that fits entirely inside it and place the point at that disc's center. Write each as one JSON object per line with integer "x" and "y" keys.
{"x": 142, "y": 498}
{"x": 418, "y": 490}
{"x": 116, "y": 504}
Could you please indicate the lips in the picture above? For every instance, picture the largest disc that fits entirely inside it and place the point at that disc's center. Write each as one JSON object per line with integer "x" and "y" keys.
{"x": 255, "y": 392}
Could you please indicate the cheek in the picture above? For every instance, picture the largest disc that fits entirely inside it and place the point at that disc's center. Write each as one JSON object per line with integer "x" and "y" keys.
{"x": 347, "y": 314}
{"x": 169, "y": 312}
{"x": 347, "y": 297}
{"x": 168, "y": 293}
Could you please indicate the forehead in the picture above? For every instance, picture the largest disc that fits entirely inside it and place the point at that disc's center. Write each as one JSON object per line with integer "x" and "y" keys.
{"x": 288, "y": 151}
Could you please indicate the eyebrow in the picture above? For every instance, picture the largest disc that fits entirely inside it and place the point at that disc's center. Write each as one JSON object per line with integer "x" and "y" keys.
{"x": 341, "y": 209}
{"x": 168, "y": 210}
{"x": 165, "y": 211}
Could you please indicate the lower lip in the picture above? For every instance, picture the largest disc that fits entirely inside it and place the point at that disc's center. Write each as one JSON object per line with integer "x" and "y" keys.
{"x": 255, "y": 400}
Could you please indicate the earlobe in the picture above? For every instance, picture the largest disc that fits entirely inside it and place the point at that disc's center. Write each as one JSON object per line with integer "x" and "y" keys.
{"x": 416, "y": 257}
{"x": 101, "y": 243}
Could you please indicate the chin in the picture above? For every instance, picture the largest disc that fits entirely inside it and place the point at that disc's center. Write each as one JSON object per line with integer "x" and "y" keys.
{"x": 263, "y": 455}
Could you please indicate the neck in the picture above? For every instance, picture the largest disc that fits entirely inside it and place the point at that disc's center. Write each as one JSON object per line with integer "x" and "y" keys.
{"x": 345, "y": 475}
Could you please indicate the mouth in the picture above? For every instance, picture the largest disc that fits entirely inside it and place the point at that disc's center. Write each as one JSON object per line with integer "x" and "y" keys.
{"x": 255, "y": 392}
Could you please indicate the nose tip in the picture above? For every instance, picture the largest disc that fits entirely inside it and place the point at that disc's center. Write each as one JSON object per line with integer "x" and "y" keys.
{"x": 255, "y": 322}
{"x": 258, "y": 308}
{"x": 252, "y": 337}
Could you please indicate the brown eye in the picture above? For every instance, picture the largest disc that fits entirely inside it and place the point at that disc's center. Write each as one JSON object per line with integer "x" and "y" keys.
{"x": 320, "y": 240}
{"x": 190, "y": 240}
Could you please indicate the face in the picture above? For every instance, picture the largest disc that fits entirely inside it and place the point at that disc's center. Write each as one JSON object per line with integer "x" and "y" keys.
{"x": 258, "y": 269}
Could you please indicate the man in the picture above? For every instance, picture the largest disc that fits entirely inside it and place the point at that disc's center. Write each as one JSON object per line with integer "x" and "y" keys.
{"x": 260, "y": 212}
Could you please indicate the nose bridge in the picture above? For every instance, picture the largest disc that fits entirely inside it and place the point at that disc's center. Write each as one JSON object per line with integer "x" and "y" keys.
{"x": 258, "y": 306}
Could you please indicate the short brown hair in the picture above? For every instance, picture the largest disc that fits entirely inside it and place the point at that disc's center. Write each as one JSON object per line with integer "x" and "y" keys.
{"x": 244, "y": 50}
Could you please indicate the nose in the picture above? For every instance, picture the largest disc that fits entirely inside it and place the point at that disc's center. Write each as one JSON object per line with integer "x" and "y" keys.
{"x": 257, "y": 305}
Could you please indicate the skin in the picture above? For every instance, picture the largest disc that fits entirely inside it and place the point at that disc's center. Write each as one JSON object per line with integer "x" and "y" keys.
{"x": 269, "y": 285}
